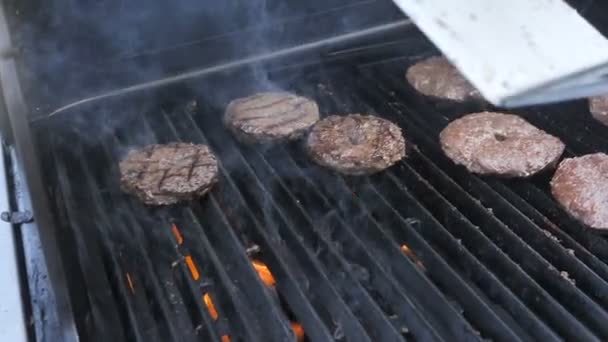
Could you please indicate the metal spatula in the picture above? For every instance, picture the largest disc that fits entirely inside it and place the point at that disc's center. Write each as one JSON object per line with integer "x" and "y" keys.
{"x": 517, "y": 52}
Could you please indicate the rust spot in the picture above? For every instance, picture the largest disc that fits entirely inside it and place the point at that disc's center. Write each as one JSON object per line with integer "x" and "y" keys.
{"x": 192, "y": 267}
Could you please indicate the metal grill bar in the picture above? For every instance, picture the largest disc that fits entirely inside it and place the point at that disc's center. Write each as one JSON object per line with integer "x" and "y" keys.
{"x": 103, "y": 306}
{"x": 373, "y": 324}
{"x": 173, "y": 316}
{"x": 581, "y": 233}
{"x": 468, "y": 179}
{"x": 346, "y": 321}
{"x": 319, "y": 243}
{"x": 422, "y": 251}
{"x": 241, "y": 297}
{"x": 360, "y": 223}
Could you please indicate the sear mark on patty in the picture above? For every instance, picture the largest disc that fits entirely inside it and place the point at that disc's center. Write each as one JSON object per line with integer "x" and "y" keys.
{"x": 169, "y": 173}
{"x": 270, "y": 117}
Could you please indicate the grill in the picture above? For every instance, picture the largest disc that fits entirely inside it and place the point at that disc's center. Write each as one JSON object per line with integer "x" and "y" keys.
{"x": 284, "y": 250}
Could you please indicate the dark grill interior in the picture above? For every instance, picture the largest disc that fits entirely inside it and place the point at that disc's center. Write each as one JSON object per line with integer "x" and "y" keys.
{"x": 423, "y": 251}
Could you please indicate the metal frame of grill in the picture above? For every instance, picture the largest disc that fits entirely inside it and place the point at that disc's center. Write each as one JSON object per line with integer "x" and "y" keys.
{"x": 485, "y": 258}
{"x": 423, "y": 251}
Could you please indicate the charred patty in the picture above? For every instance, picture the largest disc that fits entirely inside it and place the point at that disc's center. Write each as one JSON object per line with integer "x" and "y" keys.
{"x": 167, "y": 174}
{"x": 499, "y": 144}
{"x": 356, "y": 144}
{"x": 598, "y": 106}
{"x": 437, "y": 77}
{"x": 580, "y": 185}
{"x": 271, "y": 116}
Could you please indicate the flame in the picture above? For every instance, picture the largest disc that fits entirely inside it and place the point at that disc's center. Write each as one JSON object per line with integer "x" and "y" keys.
{"x": 130, "y": 282}
{"x": 225, "y": 338}
{"x": 264, "y": 272}
{"x": 178, "y": 235}
{"x": 298, "y": 330}
{"x": 192, "y": 267}
{"x": 407, "y": 251}
{"x": 268, "y": 279}
{"x": 210, "y": 306}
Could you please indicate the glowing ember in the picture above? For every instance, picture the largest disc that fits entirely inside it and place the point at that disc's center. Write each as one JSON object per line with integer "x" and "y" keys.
{"x": 130, "y": 282}
{"x": 268, "y": 279}
{"x": 264, "y": 272}
{"x": 192, "y": 267}
{"x": 298, "y": 330}
{"x": 210, "y": 306}
{"x": 225, "y": 338}
{"x": 178, "y": 235}
{"x": 407, "y": 251}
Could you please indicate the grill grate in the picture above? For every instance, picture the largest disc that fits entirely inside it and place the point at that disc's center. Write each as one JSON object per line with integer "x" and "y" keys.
{"x": 423, "y": 251}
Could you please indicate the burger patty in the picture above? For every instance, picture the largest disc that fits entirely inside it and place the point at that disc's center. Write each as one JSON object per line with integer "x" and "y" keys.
{"x": 580, "y": 185}
{"x": 437, "y": 77}
{"x": 271, "y": 116}
{"x": 499, "y": 144}
{"x": 167, "y": 174}
{"x": 356, "y": 144}
{"x": 598, "y": 106}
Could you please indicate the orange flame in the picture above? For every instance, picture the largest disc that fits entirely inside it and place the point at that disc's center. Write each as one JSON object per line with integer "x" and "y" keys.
{"x": 264, "y": 272}
{"x": 407, "y": 251}
{"x": 178, "y": 235}
{"x": 130, "y": 282}
{"x": 225, "y": 338}
{"x": 298, "y": 330}
{"x": 268, "y": 279}
{"x": 210, "y": 306}
{"x": 192, "y": 267}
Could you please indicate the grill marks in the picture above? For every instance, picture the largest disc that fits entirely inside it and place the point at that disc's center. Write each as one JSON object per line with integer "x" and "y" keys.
{"x": 268, "y": 105}
{"x": 166, "y": 174}
{"x": 289, "y": 117}
{"x": 270, "y": 116}
{"x": 194, "y": 164}
{"x": 294, "y": 113}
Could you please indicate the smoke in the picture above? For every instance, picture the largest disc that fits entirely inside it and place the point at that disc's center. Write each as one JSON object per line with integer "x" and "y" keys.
{"x": 118, "y": 43}
{"x": 74, "y": 49}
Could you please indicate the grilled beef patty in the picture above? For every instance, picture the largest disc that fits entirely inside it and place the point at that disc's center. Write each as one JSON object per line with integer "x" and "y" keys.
{"x": 271, "y": 116}
{"x": 356, "y": 144}
{"x": 499, "y": 144}
{"x": 167, "y": 174}
{"x": 437, "y": 77}
{"x": 598, "y": 106}
{"x": 580, "y": 185}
